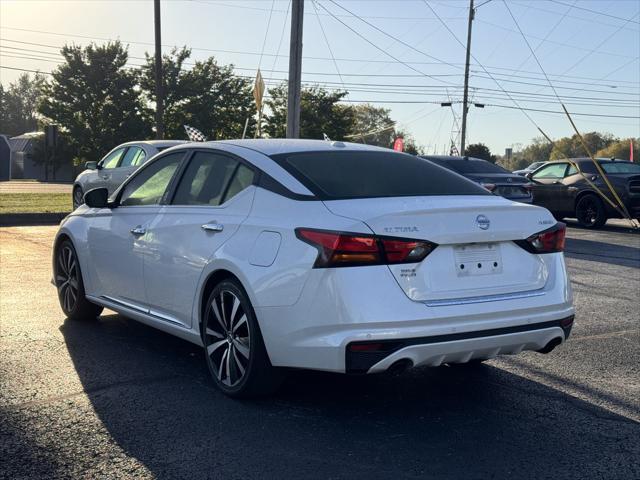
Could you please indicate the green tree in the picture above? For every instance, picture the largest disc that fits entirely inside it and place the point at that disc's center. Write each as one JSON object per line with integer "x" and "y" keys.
{"x": 480, "y": 150}
{"x": 320, "y": 114}
{"x": 372, "y": 125}
{"x": 208, "y": 97}
{"x": 538, "y": 151}
{"x": 621, "y": 149}
{"x": 18, "y": 104}
{"x": 95, "y": 99}
{"x": 571, "y": 147}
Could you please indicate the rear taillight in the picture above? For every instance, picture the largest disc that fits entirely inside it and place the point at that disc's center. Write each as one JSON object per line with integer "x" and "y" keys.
{"x": 342, "y": 249}
{"x": 547, "y": 241}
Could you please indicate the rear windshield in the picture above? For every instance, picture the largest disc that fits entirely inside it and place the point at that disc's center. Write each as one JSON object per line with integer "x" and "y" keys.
{"x": 341, "y": 175}
{"x": 472, "y": 166}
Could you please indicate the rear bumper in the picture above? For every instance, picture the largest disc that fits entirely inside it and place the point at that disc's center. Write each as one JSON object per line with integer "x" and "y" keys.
{"x": 457, "y": 347}
{"x": 345, "y": 305}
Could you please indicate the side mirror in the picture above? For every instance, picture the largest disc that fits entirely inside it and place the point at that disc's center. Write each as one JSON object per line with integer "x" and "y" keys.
{"x": 97, "y": 198}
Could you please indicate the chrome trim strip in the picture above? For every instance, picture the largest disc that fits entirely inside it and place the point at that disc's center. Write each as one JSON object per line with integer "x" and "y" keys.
{"x": 484, "y": 298}
{"x": 165, "y": 318}
{"x": 145, "y": 311}
{"x": 117, "y": 301}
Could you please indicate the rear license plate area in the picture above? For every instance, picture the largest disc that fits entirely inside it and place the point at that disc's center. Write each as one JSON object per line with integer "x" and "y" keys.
{"x": 477, "y": 259}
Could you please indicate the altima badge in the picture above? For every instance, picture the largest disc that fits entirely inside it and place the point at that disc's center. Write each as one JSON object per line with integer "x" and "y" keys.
{"x": 483, "y": 222}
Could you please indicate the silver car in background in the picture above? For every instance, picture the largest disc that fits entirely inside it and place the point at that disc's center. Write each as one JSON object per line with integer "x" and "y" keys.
{"x": 116, "y": 166}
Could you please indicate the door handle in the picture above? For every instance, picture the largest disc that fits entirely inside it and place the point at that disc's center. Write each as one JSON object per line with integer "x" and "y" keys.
{"x": 139, "y": 230}
{"x": 105, "y": 177}
{"x": 213, "y": 227}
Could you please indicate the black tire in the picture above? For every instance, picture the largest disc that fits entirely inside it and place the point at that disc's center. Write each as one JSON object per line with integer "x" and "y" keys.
{"x": 77, "y": 196}
{"x": 68, "y": 280}
{"x": 590, "y": 211}
{"x": 234, "y": 348}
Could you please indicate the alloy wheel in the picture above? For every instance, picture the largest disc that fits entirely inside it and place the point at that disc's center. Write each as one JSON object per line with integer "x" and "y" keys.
{"x": 228, "y": 338}
{"x": 588, "y": 211}
{"x": 78, "y": 197}
{"x": 67, "y": 278}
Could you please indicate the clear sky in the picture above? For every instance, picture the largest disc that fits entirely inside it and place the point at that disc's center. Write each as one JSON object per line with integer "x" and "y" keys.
{"x": 392, "y": 53}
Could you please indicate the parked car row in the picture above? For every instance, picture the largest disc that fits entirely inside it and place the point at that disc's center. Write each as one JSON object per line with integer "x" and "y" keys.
{"x": 557, "y": 185}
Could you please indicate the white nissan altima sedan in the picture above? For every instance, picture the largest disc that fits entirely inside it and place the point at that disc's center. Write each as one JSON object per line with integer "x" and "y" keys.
{"x": 318, "y": 255}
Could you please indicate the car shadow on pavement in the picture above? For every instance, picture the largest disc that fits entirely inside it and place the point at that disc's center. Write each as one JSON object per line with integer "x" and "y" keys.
{"x": 153, "y": 394}
{"x": 603, "y": 252}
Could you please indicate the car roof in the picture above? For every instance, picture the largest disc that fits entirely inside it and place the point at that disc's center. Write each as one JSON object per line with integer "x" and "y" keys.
{"x": 155, "y": 143}
{"x": 587, "y": 159}
{"x": 273, "y": 146}
{"x": 452, "y": 158}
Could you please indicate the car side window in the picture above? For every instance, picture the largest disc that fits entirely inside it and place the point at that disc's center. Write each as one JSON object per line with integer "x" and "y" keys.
{"x": 150, "y": 184}
{"x": 131, "y": 158}
{"x": 113, "y": 159}
{"x": 205, "y": 179}
{"x": 139, "y": 158}
{"x": 241, "y": 179}
{"x": 571, "y": 171}
{"x": 554, "y": 170}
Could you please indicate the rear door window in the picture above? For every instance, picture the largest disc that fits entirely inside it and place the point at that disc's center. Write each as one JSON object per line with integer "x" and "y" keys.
{"x": 366, "y": 174}
{"x": 206, "y": 179}
{"x": 133, "y": 157}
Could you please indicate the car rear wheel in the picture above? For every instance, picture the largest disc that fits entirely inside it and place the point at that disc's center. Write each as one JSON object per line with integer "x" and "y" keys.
{"x": 78, "y": 197}
{"x": 234, "y": 349}
{"x": 590, "y": 211}
{"x": 68, "y": 280}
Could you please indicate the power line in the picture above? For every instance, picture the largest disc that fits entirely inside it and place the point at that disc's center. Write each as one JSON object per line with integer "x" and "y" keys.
{"x": 599, "y": 23}
{"x": 599, "y": 45}
{"x": 392, "y": 37}
{"x": 381, "y": 49}
{"x": 344, "y": 74}
{"x": 589, "y": 10}
{"x": 266, "y": 33}
{"x": 532, "y": 51}
{"x": 349, "y": 60}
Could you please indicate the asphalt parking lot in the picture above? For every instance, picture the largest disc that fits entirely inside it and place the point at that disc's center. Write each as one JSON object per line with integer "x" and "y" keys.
{"x": 116, "y": 399}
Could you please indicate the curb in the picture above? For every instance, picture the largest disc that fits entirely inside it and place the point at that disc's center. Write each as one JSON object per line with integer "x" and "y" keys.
{"x": 22, "y": 219}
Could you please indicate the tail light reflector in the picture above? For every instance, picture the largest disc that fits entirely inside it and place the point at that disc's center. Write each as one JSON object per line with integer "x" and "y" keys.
{"x": 547, "y": 241}
{"x": 342, "y": 249}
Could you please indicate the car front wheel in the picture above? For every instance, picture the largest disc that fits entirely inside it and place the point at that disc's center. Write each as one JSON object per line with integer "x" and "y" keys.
{"x": 590, "y": 211}
{"x": 234, "y": 349}
{"x": 78, "y": 197}
{"x": 68, "y": 280}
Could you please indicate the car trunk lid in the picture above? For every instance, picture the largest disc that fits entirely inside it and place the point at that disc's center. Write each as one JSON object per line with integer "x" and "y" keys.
{"x": 475, "y": 256}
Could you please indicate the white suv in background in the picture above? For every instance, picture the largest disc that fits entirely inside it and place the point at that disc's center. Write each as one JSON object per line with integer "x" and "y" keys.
{"x": 116, "y": 166}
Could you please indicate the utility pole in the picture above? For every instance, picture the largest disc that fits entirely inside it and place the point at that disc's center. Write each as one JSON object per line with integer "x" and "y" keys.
{"x": 159, "y": 92}
{"x": 465, "y": 99}
{"x": 295, "y": 69}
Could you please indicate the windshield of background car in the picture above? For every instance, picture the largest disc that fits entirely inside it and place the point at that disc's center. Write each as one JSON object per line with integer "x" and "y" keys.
{"x": 620, "y": 167}
{"x": 474, "y": 166}
{"x": 362, "y": 174}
